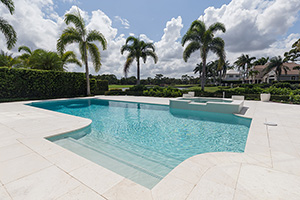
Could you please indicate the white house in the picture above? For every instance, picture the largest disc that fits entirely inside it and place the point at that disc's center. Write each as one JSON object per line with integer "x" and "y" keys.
{"x": 232, "y": 75}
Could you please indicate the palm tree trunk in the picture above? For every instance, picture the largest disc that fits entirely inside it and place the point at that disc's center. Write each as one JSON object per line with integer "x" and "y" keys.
{"x": 87, "y": 74}
{"x": 203, "y": 74}
{"x": 138, "y": 71}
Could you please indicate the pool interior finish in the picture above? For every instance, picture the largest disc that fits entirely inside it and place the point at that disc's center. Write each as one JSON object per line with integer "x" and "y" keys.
{"x": 144, "y": 142}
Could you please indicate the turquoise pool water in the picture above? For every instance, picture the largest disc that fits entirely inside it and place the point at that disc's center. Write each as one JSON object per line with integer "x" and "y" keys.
{"x": 144, "y": 142}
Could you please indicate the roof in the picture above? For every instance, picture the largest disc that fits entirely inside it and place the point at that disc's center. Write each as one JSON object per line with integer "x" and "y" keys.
{"x": 292, "y": 71}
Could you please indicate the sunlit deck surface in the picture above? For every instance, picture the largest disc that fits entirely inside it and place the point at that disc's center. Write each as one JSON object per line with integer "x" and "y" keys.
{"x": 32, "y": 167}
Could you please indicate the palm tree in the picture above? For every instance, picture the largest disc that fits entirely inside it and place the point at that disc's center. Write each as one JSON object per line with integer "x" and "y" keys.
{"x": 244, "y": 62}
{"x": 261, "y": 61}
{"x": 297, "y": 45}
{"x": 85, "y": 39}
{"x": 7, "y": 60}
{"x": 8, "y": 31}
{"x": 69, "y": 57}
{"x": 137, "y": 49}
{"x": 277, "y": 63}
{"x": 45, "y": 60}
{"x": 25, "y": 56}
{"x": 253, "y": 73}
{"x": 202, "y": 38}
{"x": 31, "y": 58}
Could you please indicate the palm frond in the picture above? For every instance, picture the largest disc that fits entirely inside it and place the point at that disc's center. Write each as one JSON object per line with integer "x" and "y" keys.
{"x": 9, "y": 4}
{"x": 96, "y": 36}
{"x": 95, "y": 55}
{"x": 148, "y": 46}
{"x": 68, "y": 55}
{"x": 74, "y": 61}
{"x": 126, "y": 47}
{"x": 77, "y": 20}
{"x": 296, "y": 67}
{"x": 192, "y": 47}
{"x": 24, "y": 48}
{"x": 127, "y": 65}
{"x": 217, "y": 27}
{"x": 67, "y": 38}
{"x": 151, "y": 54}
{"x": 131, "y": 39}
{"x": 9, "y": 33}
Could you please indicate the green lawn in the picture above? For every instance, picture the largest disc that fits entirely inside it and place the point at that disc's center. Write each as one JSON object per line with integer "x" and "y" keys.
{"x": 207, "y": 89}
{"x": 192, "y": 85}
{"x": 119, "y": 86}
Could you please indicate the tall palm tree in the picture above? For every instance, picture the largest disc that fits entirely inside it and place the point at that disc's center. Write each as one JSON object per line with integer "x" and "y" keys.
{"x": 8, "y": 31}
{"x": 137, "y": 49}
{"x": 244, "y": 62}
{"x": 278, "y": 64}
{"x": 85, "y": 39}
{"x": 202, "y": 38}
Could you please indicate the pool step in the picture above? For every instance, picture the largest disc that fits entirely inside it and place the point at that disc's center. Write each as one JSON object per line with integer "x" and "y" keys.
{"x": 140, "y": 151}
{"x": 124, "y": 167}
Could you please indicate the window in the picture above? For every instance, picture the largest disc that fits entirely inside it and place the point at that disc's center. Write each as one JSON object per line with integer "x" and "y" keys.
{"x": 237, "y": 76}
{"x": 293, "y": 78}
{"x": 230, "y": 76}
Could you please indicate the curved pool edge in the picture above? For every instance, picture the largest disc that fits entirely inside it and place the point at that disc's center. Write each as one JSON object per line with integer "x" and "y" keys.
{"x": 230, "y": 177}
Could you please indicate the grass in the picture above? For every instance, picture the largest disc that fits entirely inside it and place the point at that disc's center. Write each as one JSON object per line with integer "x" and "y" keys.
{"x": 119, "y": 86}
{"x": 207, "y": 89}
{"x": 192, "y": 85}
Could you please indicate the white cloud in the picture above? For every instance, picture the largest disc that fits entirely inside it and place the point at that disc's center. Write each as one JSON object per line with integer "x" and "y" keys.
{"x": 253, "y": 24}
{"x": 123, "y": 21}
{"x": 253, "y": 27}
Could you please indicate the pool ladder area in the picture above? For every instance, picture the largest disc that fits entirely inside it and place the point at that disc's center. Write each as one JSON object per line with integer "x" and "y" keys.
{"x": 144, "y": 167}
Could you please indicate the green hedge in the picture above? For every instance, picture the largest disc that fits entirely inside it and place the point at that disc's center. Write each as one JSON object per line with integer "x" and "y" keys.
{"x": 40, "y": 84}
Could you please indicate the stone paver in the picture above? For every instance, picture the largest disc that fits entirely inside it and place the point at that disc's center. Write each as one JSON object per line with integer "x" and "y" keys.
{"x": 32, "y": 167}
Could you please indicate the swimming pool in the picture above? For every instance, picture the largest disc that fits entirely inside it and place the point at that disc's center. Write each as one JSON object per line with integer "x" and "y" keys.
{"x": 144, "y": 142}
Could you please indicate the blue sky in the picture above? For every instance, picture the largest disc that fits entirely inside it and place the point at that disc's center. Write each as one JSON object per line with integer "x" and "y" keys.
{"x": 144, "y": 17}
{"x": 255, "y": 27}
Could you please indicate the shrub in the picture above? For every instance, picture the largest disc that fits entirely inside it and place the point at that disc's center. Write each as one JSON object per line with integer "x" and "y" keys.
{"x": 40, "y": 84}
{"x": 163, "y": 92}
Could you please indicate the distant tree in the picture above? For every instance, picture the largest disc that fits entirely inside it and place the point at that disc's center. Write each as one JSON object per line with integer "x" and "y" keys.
{"x": 8, "y": 31}
{"x": 294, "y": 53}
{"x": 244, "y": 62}
{"x": 203, "y": 39}
{"x": 278, "y": 64}
{"x": 7, "y": 60}
{"x": 261, "y": 61}
{"x": 158, "y": 79}
{"x": 85, "y": 39}
{"x": 137, "y": 49}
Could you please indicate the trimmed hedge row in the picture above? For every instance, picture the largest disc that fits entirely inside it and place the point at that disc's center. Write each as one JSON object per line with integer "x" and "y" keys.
{"x": 33, "y": 84}
{"x": 141, "y": 90}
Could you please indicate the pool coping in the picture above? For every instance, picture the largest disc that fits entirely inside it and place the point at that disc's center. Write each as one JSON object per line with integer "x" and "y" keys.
{"x": 270, "y": 152}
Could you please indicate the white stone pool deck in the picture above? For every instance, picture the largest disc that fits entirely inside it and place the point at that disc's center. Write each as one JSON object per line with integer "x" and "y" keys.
{"x": 33, "y": 168}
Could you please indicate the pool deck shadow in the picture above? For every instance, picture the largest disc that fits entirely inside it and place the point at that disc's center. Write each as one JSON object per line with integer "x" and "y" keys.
{"x": 243, "y": 110}
{"x": 32, "y": 167}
